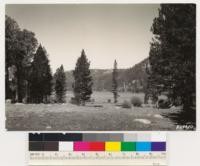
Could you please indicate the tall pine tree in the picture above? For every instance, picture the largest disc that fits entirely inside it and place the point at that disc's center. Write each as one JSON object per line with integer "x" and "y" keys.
{"x": 82, "y": 79}
{"x": 60, "y": 84}
{"x": 20, "y": 47}
{"x": 41, "y": 77}
{"x": 115, "y": 82}
{"x": 172, "y": 55}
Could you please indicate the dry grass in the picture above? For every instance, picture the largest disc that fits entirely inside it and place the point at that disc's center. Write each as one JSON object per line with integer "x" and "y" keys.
{"x": 76, "y": 118}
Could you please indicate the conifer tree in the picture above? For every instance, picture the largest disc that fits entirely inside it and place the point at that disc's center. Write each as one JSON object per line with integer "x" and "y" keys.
{"x": 41, "y": 77}
{"x": 115, "y": 82}
{"x": 172, "y": 55}
{"x": 20, "y": 47}
{"x": 82, "y": 79}
{"x": 60, "y": 84}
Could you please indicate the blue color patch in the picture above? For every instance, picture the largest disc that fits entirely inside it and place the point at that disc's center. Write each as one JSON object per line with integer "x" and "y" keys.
{"x": 143, "y": 146}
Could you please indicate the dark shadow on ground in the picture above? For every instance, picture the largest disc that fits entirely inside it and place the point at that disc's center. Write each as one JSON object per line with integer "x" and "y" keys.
{"x": 182, "y": 118}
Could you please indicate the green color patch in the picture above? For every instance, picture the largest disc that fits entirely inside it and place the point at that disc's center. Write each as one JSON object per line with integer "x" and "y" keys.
{"x": 128, "y": 146}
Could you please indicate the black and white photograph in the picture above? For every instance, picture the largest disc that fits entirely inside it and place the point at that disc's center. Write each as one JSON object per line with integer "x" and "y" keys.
{"x": 100, "y": 67}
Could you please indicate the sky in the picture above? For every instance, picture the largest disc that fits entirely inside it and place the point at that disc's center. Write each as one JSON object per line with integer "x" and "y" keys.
{"x": 105, "y": 31}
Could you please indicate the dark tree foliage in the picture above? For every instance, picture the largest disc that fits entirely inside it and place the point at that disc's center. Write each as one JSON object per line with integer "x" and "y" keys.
{"x": 11, "y": 31}
{"x": 11, "y": 34}
{"x": 82, "y": 79}
{"x": 136, "y": 77}
{"x": 20, "y": 45}
{"x": 60, "y": 84}
{"x": 172, "y": 56}
{"x": 115, "y": 82}
{"x": 41, "y": 77}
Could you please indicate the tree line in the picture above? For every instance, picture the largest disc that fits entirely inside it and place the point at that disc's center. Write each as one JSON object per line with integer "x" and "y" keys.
{"x": 29, "y": 78}
{"x": 28, "y": 72}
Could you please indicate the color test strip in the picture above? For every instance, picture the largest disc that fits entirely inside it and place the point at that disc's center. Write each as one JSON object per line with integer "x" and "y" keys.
{"x": 36, "y": 137}
{"x": 112, "y": 142}
{"x": 36, "y": 146}
{"x": 158, "y": 137}
{"x": 130, "y": 137}
{"x": 128, "y": 146}
{"x": 66, "y": 146}
{"x": 97, "y": 146}
{"x": 113, "y": 146}
{"x": 62, "y": 137}
{"x": 81, "y": 146}
{"x": 51, "y": 146}
{"x": 116, "y": 137}
{"x": 89, "y": 137}
{"x": 158, "y": 146}
{"x": 127, "y": 137}
{"x": 102, "y": 137}
{"x": 143, "y": 146}
{"x": 143, "y": 137}
{"x": 89, "y": 146}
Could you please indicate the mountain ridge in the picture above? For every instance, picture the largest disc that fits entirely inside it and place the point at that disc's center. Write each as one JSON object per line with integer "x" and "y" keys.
{"x": 130, "y": 79}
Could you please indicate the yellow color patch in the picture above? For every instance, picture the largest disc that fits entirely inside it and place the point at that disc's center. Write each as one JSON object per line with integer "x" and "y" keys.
{"x": 113, "y": 146}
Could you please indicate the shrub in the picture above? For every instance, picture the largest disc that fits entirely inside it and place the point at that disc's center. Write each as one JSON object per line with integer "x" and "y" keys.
{"x": 8, "y": 101}
{"x": 136, "y": 101}
{"x": 126, "y": 104}
{"x": 91, "y": 100}
{"x": 52, "y": 99}
{"x": 74, "y": 101}
{"x": 163, "y": 103}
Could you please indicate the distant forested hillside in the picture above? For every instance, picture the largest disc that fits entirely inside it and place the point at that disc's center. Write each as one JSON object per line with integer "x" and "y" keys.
{"x": 132, "y": 79}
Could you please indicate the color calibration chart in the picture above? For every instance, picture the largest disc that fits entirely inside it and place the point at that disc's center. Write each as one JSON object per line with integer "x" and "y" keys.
{"x": 136, "y": 149}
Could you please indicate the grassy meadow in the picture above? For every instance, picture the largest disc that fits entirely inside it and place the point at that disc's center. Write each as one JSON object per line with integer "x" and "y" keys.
{"x": 99, "y": 115}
